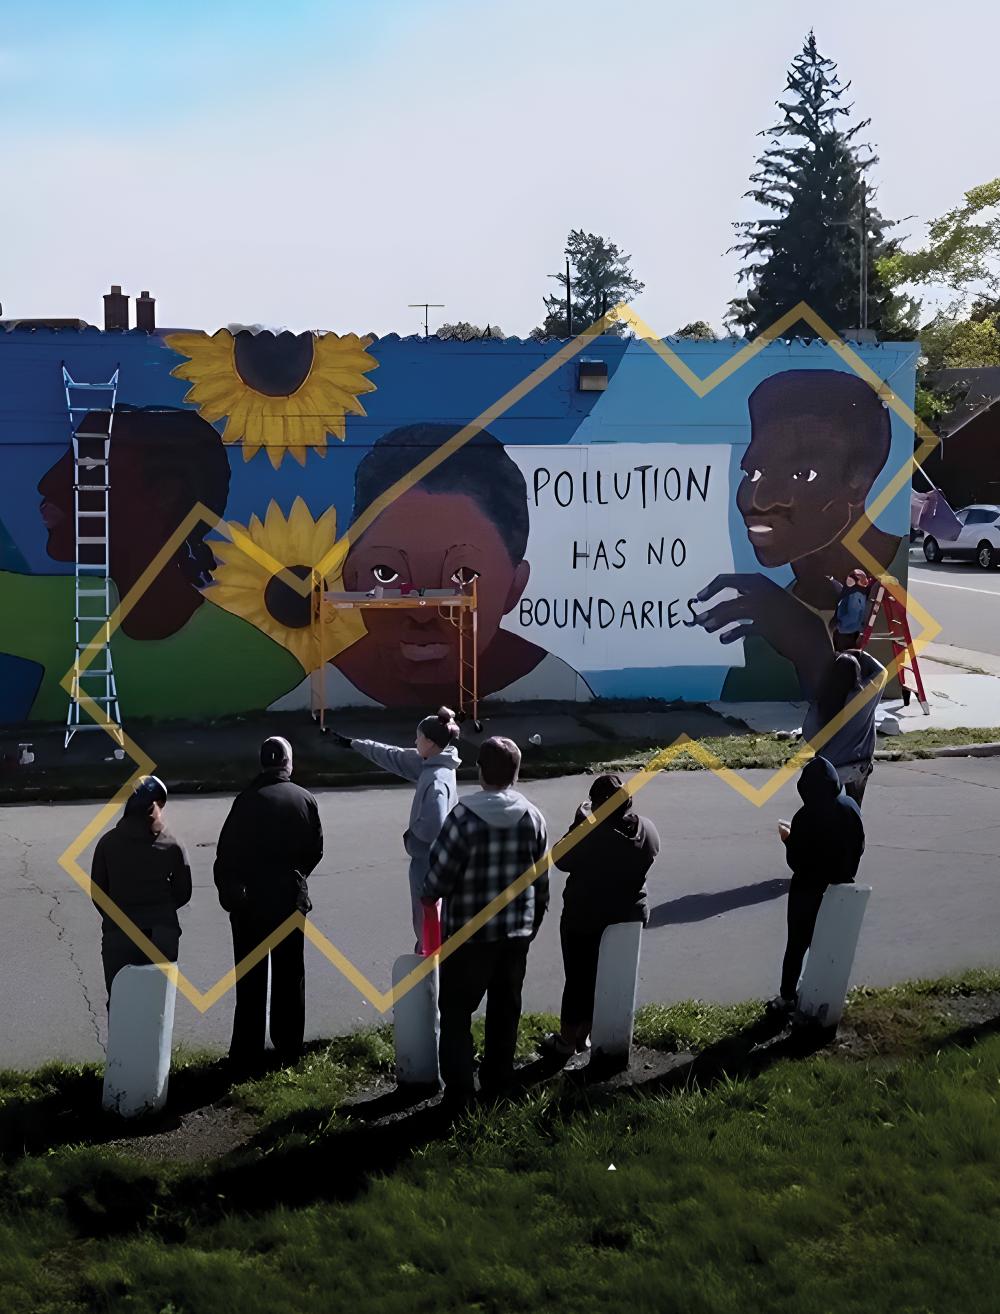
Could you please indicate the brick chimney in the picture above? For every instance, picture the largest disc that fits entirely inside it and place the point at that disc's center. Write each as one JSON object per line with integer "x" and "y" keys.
{"x": 115, "y": 309}
{"x": 145, "y": 312}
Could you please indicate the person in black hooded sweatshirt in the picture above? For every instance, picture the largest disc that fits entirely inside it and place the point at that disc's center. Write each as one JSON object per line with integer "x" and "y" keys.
{"x": 606, "y": 883}
{"x": 823, "y": 846}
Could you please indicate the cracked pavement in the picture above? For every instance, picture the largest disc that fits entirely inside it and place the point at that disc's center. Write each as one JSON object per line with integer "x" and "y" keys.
{"x": 933, "y": 860}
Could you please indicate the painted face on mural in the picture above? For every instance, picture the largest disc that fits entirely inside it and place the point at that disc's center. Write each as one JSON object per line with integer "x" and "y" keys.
{"x": 795, "y": 496}
{"x": 433, "y": 541}
{"x": 819, "y": 438}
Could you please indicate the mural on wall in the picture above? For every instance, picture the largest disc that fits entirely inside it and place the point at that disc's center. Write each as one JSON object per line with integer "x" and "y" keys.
{"x": 635, "y": 542}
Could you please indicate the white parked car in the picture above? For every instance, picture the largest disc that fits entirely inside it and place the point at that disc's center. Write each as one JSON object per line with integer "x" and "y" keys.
{"x": 978, "y": 540}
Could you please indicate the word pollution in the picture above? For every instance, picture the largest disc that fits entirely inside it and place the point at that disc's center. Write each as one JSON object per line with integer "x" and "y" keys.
{"x": 643, "y": 484}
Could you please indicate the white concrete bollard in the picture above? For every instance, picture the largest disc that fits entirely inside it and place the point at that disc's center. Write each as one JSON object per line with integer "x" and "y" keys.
{"x": 416, "y": 1026}
{"x": 614, "y": 998}
{"x": 827, "y": 972}
{"x": 140, "y": 1030}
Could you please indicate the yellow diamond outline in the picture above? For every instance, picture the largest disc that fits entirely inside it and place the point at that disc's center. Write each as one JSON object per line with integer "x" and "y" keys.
{"x": 384, "y": 1000}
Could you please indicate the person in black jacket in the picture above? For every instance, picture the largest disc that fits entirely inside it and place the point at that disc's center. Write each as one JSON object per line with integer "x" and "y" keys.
{"x": 823, "y": 846}
{"x": 606, "y": 883}
{"x": 145, "y": 872}
{"x": 270, "y": 843}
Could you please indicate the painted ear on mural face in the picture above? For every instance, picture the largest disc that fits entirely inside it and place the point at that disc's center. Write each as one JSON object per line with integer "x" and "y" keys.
{"x": 517, "y": 586}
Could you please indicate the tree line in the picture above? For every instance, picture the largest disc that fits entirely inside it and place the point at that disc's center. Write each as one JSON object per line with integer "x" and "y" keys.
{"x": 821, "y": 238}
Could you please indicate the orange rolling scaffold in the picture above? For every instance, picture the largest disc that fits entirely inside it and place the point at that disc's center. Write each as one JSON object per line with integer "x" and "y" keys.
{"x": 459, "y": 608}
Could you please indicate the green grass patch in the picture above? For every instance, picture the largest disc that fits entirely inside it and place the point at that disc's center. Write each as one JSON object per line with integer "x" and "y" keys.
{"x": 740, "y": 752}
{"x": 837, "y": 1182}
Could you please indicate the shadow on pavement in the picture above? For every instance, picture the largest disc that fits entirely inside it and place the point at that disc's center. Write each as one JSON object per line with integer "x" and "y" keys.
{"x": 700, "y": 907}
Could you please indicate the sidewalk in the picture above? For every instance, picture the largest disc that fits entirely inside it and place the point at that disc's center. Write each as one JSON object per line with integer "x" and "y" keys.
{"x": 223, "y": 756}
{"x": 555, "y": 739}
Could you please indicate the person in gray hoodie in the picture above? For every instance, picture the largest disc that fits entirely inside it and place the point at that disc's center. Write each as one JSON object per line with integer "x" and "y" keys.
{"x": 432, "y": 765}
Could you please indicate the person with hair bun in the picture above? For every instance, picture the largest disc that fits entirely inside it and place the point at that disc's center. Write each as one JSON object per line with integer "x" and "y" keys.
{"x": 431, "y": 764}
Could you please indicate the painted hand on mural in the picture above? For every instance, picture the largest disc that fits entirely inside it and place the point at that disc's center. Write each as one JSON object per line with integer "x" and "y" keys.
{"x": 763, "y": 609}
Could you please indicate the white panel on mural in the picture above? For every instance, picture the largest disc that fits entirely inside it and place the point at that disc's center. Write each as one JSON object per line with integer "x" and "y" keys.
{"x": 622, "y": 536}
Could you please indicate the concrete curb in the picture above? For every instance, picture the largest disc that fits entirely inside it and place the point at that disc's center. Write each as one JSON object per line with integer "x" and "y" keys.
{"x": 54, "y": 791}
{"x": 945, "y": 750}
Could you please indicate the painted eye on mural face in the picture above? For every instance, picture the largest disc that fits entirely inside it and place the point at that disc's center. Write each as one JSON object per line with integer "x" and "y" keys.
{"x": 804, "y": 476}
{"x": 385, "y": 574}
{"x": 464, "y": 575}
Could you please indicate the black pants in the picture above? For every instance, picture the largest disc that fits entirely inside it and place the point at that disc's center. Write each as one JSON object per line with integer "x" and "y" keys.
{"x": 804, "y": 899}
{"x": 494, "y": 968}
{"x": 856, "y": 788}
{"x": 119, "y": 950}
{"x": 581, "y": 947}
{"x": 288, "y": 990}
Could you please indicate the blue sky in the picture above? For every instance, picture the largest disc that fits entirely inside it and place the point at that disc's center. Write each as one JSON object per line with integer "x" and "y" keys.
{"x": 322, "y": 165}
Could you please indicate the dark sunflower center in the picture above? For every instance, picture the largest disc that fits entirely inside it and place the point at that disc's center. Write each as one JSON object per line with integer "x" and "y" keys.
{"x": 289, "y": 607}
{"x": 274, "y": 365}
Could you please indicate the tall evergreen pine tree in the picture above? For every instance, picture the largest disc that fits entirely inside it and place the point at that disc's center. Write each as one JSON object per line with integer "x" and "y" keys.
{"x": 812, "y": 178}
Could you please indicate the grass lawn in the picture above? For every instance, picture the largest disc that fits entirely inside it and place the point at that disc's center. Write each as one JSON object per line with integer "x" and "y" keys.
{"x": 741, "y": 752}
{"x": 863, "y": 1177}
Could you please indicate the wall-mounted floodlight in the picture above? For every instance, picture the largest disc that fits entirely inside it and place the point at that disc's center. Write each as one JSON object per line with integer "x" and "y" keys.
{"x": 592, "y": 375}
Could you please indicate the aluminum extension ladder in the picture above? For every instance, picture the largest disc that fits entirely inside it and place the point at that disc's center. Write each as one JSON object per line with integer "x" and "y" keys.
{"x": 93, "y": 405}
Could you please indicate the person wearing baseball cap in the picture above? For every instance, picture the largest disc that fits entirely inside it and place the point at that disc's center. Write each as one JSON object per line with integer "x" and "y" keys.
{"x": 270, "y": 843}
{"x": 144, "y": 871}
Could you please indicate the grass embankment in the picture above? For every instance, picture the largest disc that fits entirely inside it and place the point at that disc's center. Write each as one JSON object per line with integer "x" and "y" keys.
{"x": 861, "y": 1178}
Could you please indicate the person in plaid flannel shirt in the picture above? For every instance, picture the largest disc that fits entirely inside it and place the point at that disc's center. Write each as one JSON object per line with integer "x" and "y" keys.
{"x": 488, "y": 840}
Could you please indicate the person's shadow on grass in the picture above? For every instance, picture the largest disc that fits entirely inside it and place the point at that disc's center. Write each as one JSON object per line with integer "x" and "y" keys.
{"x": 701, "y": 907}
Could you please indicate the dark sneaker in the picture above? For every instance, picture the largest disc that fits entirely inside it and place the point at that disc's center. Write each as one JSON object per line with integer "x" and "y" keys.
{"x": 554, "y": 1046}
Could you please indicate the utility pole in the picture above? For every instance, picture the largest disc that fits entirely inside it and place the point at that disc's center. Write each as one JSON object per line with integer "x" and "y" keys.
{"x": 427, "y": 307}
{"x": 863, "y": 272}
{"x": 569, "y": 302}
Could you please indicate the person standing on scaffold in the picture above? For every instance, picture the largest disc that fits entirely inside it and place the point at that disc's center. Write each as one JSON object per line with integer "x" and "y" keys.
{"x": 432, "y": 764}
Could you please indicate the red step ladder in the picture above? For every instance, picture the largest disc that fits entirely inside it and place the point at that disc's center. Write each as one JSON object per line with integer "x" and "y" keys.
{"x": 898, "y": 634}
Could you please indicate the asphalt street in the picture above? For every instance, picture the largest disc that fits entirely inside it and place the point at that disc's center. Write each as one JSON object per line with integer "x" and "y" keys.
{"x": 963, "y": 599}
{"x": 716, "y": 930}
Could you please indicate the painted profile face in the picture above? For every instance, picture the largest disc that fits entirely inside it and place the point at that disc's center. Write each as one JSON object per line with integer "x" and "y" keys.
{"x": 433, "y": 541}
{"x": 143, "y": 517}
{"x": 798, "y": 494}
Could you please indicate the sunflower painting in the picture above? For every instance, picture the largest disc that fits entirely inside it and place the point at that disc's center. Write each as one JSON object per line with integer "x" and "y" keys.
{"x": 247, "y": 588}
{"x": 281, "y": 392}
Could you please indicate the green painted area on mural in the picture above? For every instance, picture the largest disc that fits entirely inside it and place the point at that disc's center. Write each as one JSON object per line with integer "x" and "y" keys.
{"x": 216, "y": 665}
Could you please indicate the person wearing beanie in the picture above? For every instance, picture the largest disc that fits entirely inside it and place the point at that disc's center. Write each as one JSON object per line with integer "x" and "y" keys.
{"x": 432, "y": 765}
{"x": 270, "y": 843}
{"x": 606, "y": 883}
{"x": 144, "y": 870}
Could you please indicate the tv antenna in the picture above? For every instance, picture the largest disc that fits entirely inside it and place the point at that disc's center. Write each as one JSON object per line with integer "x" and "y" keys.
{"x": 426, "y": 307}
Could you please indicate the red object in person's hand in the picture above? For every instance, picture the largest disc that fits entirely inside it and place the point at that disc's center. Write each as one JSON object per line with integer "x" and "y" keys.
{"x": 431, "y": 939}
